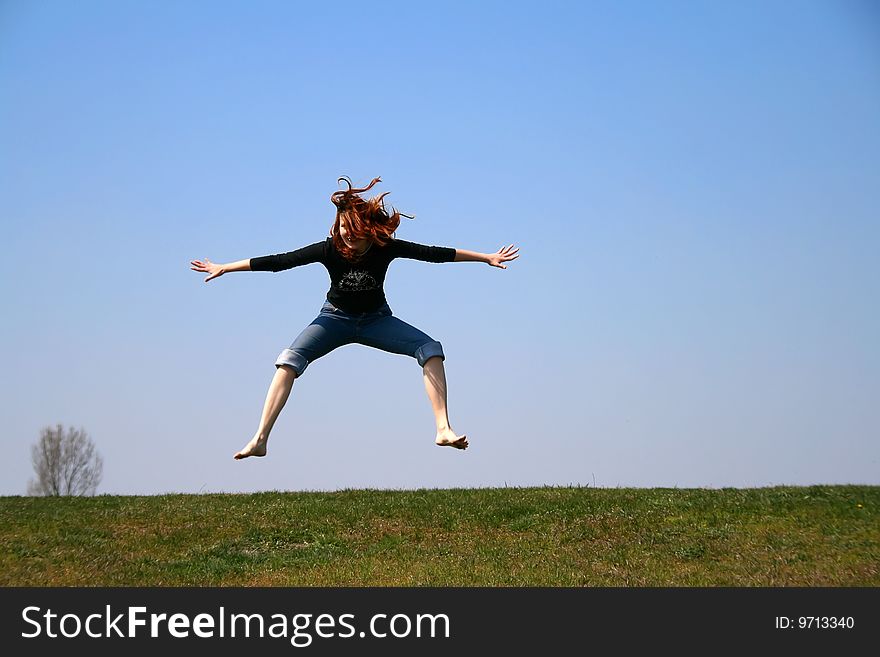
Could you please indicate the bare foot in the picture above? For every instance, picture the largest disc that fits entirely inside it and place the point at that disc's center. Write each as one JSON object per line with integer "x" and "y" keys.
{"x": 447, "y": 438}
{"x": 255, "y": 447}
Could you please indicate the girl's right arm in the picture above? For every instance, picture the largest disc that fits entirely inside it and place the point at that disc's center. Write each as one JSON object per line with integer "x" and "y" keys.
{"x": 279, "y": 262}
{"x": 214, "y": 269}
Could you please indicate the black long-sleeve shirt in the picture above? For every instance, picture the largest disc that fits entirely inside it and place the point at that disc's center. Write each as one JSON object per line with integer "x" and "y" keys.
{"x": 355, "y": 287}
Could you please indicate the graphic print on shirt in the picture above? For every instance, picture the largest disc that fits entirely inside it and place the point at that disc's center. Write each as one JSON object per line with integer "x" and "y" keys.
{"x": 357, "y": 280}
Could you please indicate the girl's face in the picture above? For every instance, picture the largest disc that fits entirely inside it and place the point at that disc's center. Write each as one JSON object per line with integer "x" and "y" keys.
{"x": 359, "y": 245}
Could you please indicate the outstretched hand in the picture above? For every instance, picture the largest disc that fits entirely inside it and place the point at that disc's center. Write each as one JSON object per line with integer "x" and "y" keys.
{"x": 212, "y": 268}
{"x": 504, "y": 254}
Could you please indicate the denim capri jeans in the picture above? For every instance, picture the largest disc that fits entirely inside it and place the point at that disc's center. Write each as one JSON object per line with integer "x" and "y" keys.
{"x": 334, "y": 327}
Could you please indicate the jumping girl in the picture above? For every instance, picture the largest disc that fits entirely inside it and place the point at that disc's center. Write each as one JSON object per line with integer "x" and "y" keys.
{"x": 357, "y": 253}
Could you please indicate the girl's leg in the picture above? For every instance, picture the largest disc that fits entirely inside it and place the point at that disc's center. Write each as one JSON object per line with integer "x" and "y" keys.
{"x": 279, "y": 391}
{"x": 328, "y": 331}
{"x": 435, "y": 386}
{"x": 396, "y": 336}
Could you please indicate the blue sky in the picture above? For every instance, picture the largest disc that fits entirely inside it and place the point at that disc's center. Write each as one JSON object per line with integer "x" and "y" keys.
{"x": 693, "y": 186}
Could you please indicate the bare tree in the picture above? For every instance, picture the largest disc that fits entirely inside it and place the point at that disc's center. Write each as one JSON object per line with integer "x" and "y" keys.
{"x": 66, "y": 463}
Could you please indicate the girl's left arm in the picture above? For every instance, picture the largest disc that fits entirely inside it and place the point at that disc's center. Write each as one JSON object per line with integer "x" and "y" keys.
{"x": 497, "y": 259}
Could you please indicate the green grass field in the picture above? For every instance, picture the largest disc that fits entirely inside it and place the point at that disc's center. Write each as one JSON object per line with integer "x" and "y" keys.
{"x": 783, "y": 536}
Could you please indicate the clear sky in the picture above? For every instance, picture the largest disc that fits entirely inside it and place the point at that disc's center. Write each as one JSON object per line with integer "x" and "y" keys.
{"x": 693, "y": 186}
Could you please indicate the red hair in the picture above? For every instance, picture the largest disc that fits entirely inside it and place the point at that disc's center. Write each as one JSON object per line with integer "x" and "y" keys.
{"x": 364, "y": 218}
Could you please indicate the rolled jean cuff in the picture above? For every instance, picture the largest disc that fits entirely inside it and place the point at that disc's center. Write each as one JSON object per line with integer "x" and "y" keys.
{"x": 429, "y": 350}
{"x": 293, "y": 359}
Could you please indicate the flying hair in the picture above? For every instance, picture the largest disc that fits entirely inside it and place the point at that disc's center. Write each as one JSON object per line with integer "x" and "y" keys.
{"x": 364, "y": 218}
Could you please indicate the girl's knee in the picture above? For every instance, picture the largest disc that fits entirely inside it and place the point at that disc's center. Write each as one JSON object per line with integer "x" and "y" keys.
{"x": 428, "y": 351}
{"x": 293, "y": 361}
{"x": 288, "y": 369}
